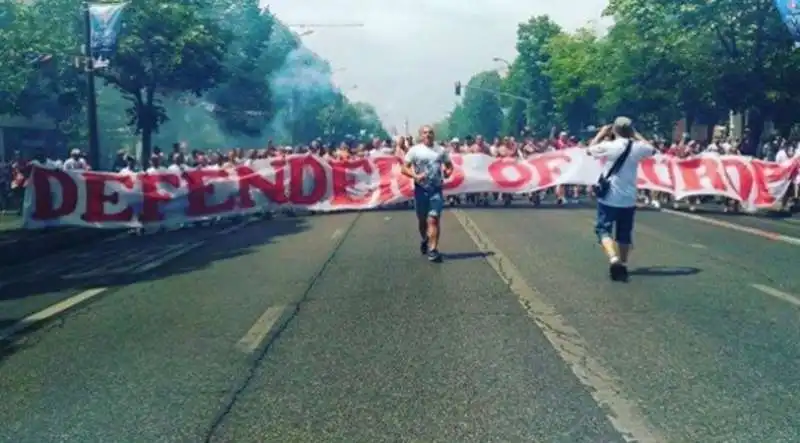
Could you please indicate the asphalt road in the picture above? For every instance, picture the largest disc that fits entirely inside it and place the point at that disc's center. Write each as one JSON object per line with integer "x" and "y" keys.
{"x": 333, "y": 328}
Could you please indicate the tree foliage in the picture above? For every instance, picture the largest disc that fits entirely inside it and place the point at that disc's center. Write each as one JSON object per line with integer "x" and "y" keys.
{"x": 203, "y": 71}
{"x": 660, "y": 61}
{"x": 481, "y": 111}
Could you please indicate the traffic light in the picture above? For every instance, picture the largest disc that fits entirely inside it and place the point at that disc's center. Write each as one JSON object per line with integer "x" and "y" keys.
{"x": 458, "y": 88}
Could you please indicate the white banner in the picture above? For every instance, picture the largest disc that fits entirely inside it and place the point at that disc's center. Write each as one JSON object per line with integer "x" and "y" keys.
{"x": 106, "y": 200}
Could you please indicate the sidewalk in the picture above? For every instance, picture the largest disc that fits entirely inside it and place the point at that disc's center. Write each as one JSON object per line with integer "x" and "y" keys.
{"x": 18, "y": 245}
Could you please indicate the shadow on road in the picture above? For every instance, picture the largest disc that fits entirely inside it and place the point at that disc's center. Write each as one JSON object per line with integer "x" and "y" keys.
{"x": 235, "y": 245}
{"x": 466, "y": 255}
{"x": 664, "y": 271}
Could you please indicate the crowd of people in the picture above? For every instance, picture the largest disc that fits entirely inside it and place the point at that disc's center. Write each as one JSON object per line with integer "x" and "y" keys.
{"x": 13, "y": 173}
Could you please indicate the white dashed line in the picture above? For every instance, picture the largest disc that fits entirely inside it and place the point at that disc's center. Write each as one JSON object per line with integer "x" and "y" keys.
{"x": 746, "y": 229}
{"x": 51, "y": 311}
{"x": 77, "y": 300}
{"x": 623, "y": 414}
{"x": 267, "y": 324}
{"x": 777, "y": 294}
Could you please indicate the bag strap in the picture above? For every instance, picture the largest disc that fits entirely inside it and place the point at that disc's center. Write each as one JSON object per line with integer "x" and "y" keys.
{"x": 620, "y": 160}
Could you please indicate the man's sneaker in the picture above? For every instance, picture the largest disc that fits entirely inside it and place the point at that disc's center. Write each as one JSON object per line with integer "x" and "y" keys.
{"x": 423, "y": 247}
{"x": 434, "y": 256}
{"x": 618, "y": 272}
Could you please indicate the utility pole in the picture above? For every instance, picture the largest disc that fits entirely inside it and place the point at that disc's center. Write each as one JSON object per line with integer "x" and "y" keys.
{"x": 91, "y": 112}
{"x": 459, "y": 86}
{"x": 325, "y": 25}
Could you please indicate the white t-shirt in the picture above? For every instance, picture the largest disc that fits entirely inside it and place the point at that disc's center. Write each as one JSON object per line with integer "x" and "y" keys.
{"x": 727, "y": 148}
{"x": 428, "y": 160}
{"x": 622, "y": 192}
{"x": 781, "y": 156}
{"x": 176, "y": 168}
{"x": 73, "y": 164}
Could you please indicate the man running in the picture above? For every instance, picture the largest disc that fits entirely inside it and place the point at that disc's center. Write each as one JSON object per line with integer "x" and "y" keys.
{"x": 428, "y": 165}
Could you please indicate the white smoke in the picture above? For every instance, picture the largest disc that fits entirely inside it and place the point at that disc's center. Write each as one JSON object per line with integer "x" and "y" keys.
{"x": 303, "y": 81}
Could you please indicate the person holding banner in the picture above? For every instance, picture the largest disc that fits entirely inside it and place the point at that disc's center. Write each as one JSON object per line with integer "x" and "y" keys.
{"x": 616, "y": 190}
{"x": 428, "y": 165}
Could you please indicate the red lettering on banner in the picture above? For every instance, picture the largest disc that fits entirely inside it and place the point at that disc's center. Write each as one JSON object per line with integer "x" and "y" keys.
{"x": 386, "y": 185}
{"x": 405, "y": 185}
{"x": 200, "y": 188}
{"x": 43, "y": 208}
{"x": 96, "y": 197}
{"x": 457, "y": 177}
{"x": 152, "y": 197}
{"x": 548, "y": 167}
{"x": 297, "y": 168}
{"x": 499, "y": 168}
{"x": 274, "y": 191}
{"x": 344, "y": 178}
{"x": 766, "y": 174}
{"x": 746, "y": 180}
{"x": 650, "y": 177}
{"x": 692, "y": 176}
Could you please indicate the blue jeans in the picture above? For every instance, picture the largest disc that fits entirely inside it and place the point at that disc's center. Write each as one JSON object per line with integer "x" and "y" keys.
{"x": 617, "y": 219}
{"x": 428, "y": 203}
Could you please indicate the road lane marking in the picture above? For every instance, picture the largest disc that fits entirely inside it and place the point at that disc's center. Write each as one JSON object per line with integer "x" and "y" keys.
{"x": 624, "y": 415}
{"x": 698, "y": 246}
{"x": 267, "y": 324}
{"x": 337, "y": 233}
{"x": 51, "y": 311}
{"x": 85, "y": 296}
{"x": 777, "y": 294}
{"x": 746, "y": 229}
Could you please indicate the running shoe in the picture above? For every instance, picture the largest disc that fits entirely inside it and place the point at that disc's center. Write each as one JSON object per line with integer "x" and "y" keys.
{"x": 618, "y": 272}
{"x": 434, "y": 256}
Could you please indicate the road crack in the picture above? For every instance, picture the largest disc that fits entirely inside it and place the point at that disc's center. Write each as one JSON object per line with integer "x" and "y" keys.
{"x": 234, "y": 394}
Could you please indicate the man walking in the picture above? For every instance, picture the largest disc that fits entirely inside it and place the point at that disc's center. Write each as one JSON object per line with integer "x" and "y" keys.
{"x": 428, "y": 165}
{"x": 616, "y": 190}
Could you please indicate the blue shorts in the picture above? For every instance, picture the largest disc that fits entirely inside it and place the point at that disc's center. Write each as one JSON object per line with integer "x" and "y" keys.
{"x": 428, "y": 203}
{"x": 617, "y": 219}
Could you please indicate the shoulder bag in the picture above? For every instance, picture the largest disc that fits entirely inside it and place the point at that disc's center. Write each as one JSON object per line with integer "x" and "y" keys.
{"x": 603, "y": 184}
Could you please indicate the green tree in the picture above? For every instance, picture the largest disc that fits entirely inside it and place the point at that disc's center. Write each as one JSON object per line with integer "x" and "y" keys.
{"x": 165, "y": 48}
{"x": 340, "y": 118}
{"x": 516, "y": 106}
{"x": 244, "y": 100}
{"x": 572, "y": 67}
{"x": 747, "y": 52}
{"x": 531, "y": 82}
{"x": 15, "y": 66}
{"x": 481, "y": 110}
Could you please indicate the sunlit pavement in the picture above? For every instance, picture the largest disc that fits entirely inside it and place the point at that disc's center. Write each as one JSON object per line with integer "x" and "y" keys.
{"x": 334, "y": 328}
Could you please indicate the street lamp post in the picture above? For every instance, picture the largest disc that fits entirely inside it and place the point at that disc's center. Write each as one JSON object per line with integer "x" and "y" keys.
{"x": 91, "y": 112}
{"x": 502, "y": 60}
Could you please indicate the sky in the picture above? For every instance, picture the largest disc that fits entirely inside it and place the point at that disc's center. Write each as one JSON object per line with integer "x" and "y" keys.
{"x": 408, "y": 54}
